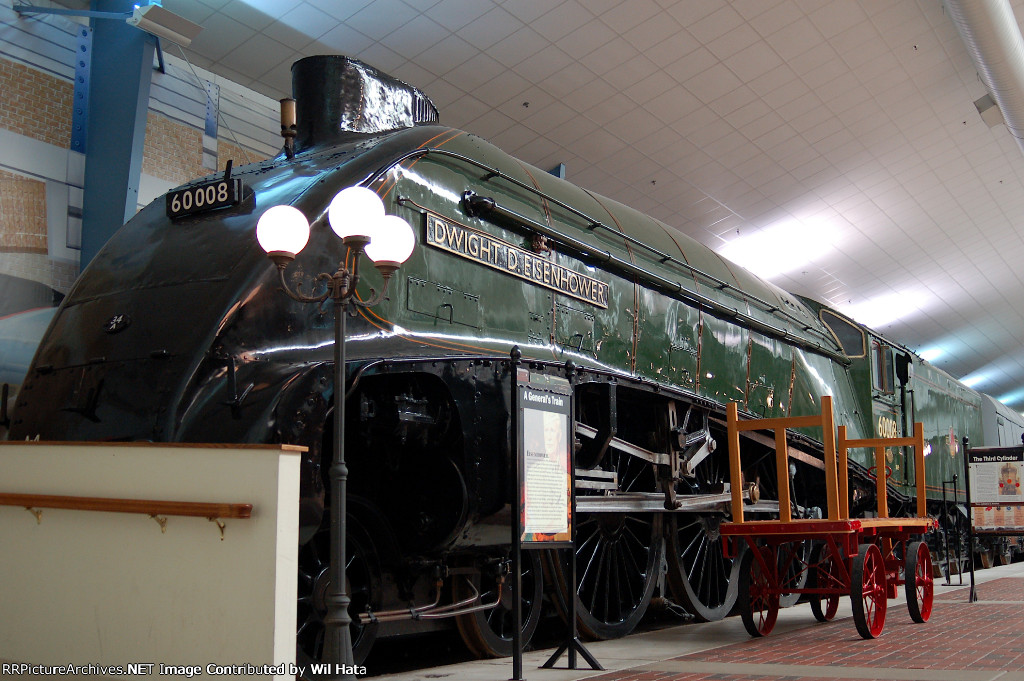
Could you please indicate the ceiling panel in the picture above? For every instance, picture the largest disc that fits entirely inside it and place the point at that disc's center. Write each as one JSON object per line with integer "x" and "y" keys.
{"x": 342, "y": 39}
{"x": 256, "y": 15}
{"x": 455, "y": 14}
{"x": 493, "y": 27}
{"x": 258, "y": 55}
{"x": 220, "y": 35}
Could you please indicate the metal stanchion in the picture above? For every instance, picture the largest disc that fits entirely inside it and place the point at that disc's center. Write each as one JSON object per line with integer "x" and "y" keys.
{"x": 517, "y": 530}
{"x": 973, "y": 596}
{"x": 572, "y": 643}
{"x": 947, "y": 530}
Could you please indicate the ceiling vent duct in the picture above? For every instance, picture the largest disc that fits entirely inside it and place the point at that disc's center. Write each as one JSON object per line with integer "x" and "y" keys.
{"x": 990, "y": 32}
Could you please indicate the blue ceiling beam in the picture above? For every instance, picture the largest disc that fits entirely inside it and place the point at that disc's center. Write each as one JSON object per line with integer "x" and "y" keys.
{"x": 119, "y": 82}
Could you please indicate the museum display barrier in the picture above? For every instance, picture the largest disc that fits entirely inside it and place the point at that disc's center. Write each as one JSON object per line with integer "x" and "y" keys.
{"x": 120, "y": 554}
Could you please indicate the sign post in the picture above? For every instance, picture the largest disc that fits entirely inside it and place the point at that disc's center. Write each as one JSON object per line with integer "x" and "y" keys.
{"x": 542, "y": 445}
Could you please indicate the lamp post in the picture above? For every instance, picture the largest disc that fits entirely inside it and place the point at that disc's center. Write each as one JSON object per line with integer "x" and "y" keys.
{"x": 357, "y": 216}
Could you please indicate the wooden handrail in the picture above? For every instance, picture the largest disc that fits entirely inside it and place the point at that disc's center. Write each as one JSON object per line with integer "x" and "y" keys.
{"x": 194, "y": 509}
{"x": 836, "y": 481}
{"x": 879, "y": 444}
{"x": 833, "y": 479}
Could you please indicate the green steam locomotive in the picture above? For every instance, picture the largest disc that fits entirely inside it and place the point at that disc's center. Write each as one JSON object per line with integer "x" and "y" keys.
{"x": 656, "y": 332}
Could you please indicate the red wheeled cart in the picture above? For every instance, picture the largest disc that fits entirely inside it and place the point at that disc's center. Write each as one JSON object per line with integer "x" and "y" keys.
{"x": 865, "y": 558}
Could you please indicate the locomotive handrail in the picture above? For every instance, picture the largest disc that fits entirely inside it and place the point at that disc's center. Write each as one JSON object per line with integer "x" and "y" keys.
{"x": 667, "y": 285}
{"x": 594, "y": 224}
{"x": 150, "y": 507}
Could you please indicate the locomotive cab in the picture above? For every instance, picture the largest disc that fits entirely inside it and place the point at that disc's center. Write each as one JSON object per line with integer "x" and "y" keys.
{"x": 884, "y": 374}
{"x": 888, "y": 397}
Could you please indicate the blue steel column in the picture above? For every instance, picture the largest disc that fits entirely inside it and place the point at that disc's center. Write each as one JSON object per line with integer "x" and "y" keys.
{"x": 122, "y": 68}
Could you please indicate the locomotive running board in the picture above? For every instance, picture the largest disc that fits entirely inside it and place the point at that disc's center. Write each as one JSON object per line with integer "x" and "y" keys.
{"x": 638, "y": 502}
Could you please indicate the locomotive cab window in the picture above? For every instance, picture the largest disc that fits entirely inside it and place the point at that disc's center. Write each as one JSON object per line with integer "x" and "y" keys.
{"x": 847, "y": 334}
{"x": 883, "y": 378}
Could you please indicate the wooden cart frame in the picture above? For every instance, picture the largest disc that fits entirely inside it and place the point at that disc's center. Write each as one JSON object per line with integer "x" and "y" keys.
{"x": 865, "y": 558}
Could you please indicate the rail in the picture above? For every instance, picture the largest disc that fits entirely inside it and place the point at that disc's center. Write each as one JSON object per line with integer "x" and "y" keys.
{"x": 158, "y": 510}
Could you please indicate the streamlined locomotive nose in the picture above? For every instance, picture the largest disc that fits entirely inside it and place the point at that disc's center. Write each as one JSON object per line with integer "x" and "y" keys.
{"x": 109, "y": 365}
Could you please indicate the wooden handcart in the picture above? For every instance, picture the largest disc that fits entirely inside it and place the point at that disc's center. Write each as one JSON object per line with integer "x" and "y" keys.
{"x": 865, "y": 558}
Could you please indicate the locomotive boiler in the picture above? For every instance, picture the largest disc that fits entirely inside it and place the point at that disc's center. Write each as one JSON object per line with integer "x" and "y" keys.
{"x": 178, "y": 331}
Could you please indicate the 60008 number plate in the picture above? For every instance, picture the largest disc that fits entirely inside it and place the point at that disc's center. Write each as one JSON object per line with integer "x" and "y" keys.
{"x": 203, "y": 197}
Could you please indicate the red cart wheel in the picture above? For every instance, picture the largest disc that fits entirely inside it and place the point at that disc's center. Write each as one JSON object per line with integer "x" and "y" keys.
{"x": 792, "y": 570}
{"x": 758, "y": 601}
{"x": 824, "y": 575}
{"x": 920, "y": 589}
{"x": 867, "y": 591}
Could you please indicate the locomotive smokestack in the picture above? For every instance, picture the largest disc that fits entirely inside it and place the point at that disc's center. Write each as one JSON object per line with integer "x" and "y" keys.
{"x": 336, "y": 96}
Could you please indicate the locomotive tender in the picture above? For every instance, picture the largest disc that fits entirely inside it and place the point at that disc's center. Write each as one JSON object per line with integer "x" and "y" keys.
{"x": 177, "y": 331}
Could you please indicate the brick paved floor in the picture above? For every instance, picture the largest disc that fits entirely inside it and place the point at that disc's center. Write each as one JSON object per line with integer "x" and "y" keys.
{"x": 982, "y": 641}
{"x": 1008, "y": 589}
{"x": 971, "y": 640}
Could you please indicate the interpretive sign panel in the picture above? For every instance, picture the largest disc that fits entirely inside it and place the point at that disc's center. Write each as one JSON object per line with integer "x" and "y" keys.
{"x": 997, "y": 496}
{"x": 544, "y": 462}
{"x": 92, "y": 581}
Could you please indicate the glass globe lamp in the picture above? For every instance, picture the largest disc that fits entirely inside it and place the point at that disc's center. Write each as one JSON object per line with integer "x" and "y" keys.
{"x": 391, "y": 245}
{"x": 282, "y": 231}
{"x": 355, "y": 212}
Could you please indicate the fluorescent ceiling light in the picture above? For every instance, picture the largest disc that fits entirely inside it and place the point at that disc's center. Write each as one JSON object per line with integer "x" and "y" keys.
{"x": 1014, "y": 396}
{"x": 931, "y": 354}
{"x": 781, "y": 248}
{"x": 885, "y": 309}
{"x": 974, "y": 380}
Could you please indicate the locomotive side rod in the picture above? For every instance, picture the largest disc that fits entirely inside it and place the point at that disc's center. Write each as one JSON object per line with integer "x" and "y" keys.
{"x": 468, "y": 605}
